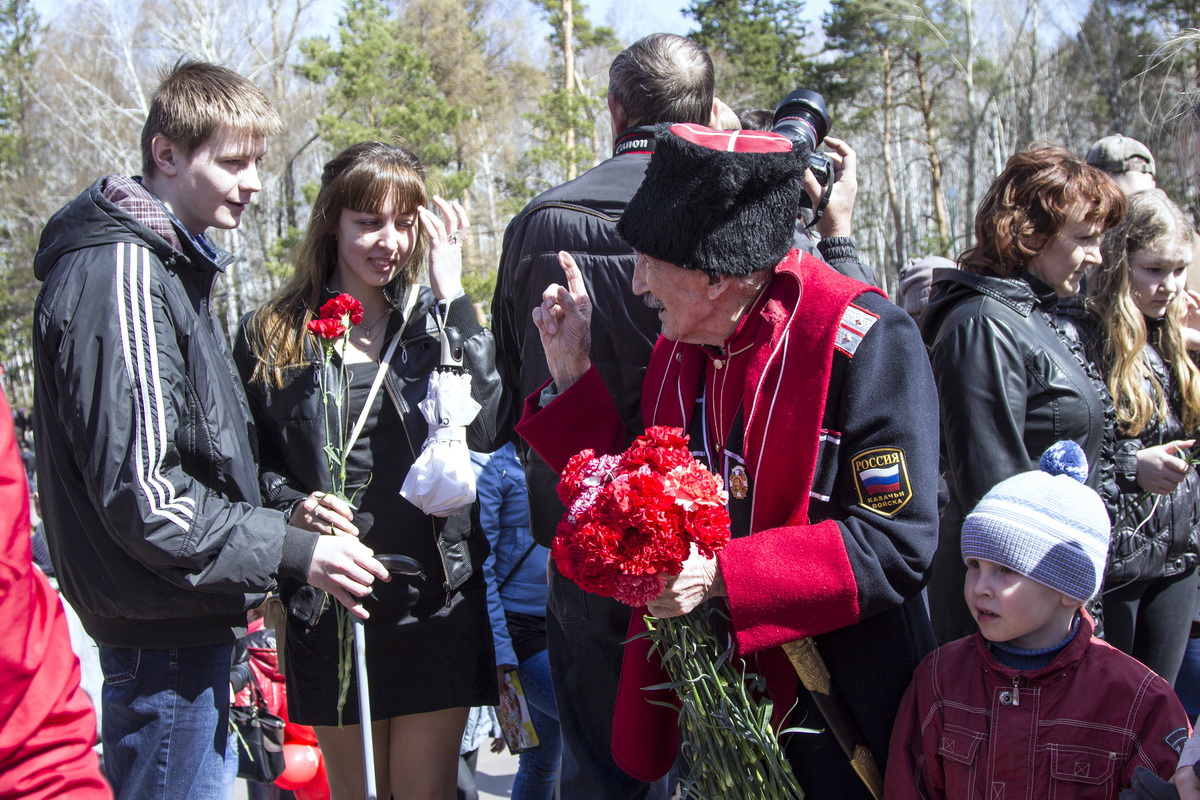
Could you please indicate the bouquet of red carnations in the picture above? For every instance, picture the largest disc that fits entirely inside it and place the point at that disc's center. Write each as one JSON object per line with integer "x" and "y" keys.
{"x": 632, "y": 519}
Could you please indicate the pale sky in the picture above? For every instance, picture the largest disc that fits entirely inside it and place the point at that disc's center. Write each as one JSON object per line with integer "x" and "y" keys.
{"x": 633, "y": 19}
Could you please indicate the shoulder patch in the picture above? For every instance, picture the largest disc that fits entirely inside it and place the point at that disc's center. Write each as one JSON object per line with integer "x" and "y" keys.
{"x": 1175, "y": 739}
{"x": 881, "y": 478}
{"x": 855, "y": 324}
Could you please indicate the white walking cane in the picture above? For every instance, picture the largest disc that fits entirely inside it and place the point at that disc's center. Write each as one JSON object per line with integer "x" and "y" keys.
{"x": 364, "y": 707}
{"x": 397, "y": 565}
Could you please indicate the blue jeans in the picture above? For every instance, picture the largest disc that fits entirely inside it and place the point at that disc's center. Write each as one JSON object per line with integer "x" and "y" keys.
{"x": 166, "y": 720}
{"x": 229, "y": 776}
{"x": 538, "y": 768}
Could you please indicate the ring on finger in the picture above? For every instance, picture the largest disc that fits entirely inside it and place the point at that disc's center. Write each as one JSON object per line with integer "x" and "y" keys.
{"x": 456, "y": 237}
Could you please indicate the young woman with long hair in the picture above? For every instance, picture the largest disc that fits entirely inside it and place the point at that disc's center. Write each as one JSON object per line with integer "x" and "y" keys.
{"x": 1138, "y": 299}
{"x": 1009, "y": 380}
{"x": 429, "y": 646}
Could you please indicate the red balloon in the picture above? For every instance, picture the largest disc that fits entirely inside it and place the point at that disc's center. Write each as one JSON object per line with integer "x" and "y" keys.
{"x": 301, "y": 764}
{"x": 317, "y": 788}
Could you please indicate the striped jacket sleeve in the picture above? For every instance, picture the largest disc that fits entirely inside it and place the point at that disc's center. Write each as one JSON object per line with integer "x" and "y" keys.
{"x": 147, "y": 441}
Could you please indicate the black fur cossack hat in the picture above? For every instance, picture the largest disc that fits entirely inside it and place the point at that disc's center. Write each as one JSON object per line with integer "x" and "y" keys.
{"x": 722, "y": 202}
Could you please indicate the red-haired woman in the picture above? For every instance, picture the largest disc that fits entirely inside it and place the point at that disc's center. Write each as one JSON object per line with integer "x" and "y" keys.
{"x": 1012, "y": 380}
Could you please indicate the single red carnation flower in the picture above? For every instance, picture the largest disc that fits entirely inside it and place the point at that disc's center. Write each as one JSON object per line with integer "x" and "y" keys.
{"x": 341, "y": 307}
{"x": 326, "y": 328}
{"x": 572, "y": 474}
{"x": 664, "y": 437}
{"x": 638, "y": 590}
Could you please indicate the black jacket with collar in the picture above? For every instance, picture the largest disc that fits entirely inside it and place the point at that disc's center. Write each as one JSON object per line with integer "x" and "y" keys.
{"x": 1154, "y": 536}
{"x": 146, "y": 461}
{"x": 1009, "y": 387}
{"x": 579, "y": 216}
{"x": 291, "y": 428}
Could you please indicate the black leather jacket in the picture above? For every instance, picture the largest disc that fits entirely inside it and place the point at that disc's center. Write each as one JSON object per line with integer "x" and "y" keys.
{"x": 1154, "y": 536}
{"x": 1009, "y": 387}
{"x": 291, "y": 432}
{"x": 581, "y": 217}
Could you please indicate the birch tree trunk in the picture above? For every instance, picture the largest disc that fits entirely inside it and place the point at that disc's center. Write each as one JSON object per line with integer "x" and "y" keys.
{"x": 889, "y": 170}
{"x": 932, "y": 140}
{"x": 568, "y": 37}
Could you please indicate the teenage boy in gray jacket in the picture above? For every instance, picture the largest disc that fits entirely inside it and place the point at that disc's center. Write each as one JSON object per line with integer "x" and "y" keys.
{"x": 147, "y": 468}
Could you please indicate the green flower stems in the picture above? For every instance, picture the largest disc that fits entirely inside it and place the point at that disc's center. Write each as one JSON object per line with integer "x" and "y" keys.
{"x": 333, "y": 399}
{"x": 729, "y": 748}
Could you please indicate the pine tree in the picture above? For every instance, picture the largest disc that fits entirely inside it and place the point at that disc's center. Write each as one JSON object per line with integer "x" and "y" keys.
{"x": 18, "y": 22}
{"x": 18, "y": 233}
{"x": 382, "y": 88}
{"x": 912, "y": 49}
{"x": 761, "y": 46}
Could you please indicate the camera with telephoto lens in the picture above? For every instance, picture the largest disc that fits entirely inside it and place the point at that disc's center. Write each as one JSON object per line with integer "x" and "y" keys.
{"x": 803, "y": 118}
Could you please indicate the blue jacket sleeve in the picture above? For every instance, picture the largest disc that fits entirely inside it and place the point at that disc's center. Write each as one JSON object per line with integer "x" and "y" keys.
{"x": 489, "y": 499}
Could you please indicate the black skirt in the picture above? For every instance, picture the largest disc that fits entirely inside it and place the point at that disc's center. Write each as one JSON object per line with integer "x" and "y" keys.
{"x": 434, "y": 656}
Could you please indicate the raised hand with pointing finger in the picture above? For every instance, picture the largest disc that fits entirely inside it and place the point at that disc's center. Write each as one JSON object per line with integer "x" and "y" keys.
{"x": 564, "y": 322}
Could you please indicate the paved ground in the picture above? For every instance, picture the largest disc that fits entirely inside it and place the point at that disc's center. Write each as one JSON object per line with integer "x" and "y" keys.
{"x": 494, "y": 776}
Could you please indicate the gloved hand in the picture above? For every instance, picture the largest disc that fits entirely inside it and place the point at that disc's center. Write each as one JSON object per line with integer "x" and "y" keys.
{"x": 1148, "y": 786}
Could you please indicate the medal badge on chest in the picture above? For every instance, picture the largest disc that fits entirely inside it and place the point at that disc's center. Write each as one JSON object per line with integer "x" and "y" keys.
{"x": 739, "y": 483}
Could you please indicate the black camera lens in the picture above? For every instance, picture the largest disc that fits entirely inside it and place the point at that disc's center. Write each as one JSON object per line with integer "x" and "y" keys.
{"x": 803, "y": 118}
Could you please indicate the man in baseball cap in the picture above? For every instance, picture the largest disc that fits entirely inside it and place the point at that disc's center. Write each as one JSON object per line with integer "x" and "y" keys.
{"x": 1130, "y": 162}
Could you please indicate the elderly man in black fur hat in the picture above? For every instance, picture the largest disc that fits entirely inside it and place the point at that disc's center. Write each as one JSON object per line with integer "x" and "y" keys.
{"x": 811, "y": 395}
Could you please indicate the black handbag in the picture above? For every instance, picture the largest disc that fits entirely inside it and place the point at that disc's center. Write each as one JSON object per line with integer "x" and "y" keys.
{"x": 259, "y": 738}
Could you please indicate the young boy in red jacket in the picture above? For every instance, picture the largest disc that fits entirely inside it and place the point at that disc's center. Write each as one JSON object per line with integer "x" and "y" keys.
{"x": 1033, "y": 705}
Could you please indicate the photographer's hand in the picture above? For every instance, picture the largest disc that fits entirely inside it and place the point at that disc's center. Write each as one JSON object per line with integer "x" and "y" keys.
{"x": 839, "y": 213}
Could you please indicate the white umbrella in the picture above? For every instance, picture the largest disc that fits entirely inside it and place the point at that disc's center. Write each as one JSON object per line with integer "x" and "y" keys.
{"x": 441, "y": 480}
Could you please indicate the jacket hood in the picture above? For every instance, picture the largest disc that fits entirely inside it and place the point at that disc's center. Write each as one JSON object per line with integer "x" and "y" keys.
{"x": 92, "y": 220}
{"x": 952, "y": 286}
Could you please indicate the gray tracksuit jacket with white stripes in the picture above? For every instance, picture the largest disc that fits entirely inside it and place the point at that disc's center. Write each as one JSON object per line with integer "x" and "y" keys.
{"x": 146, "y": 462}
